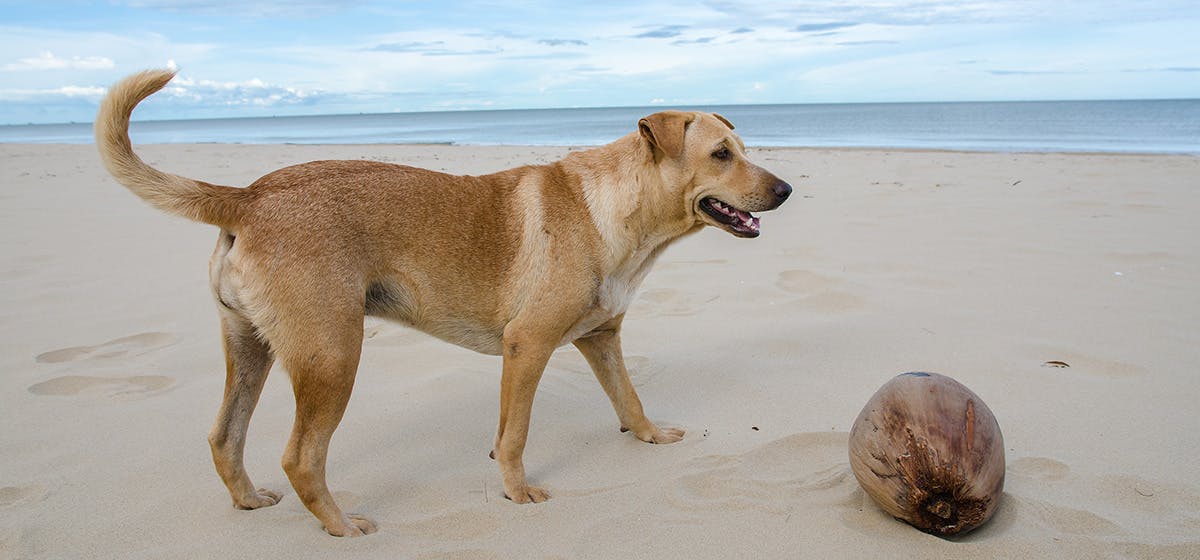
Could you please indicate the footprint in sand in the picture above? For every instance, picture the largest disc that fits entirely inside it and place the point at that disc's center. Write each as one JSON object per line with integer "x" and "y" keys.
{"x": 465, "y": 525}
{"x": 1041, "y": 468}
{"x": 1064, "y": 519}
{"x": 820, "y": 292}
{"x": 125, "y": 346}
{"x": 804, "y": 282}
{"x": 1174, "y": 505}
{"x": 1048, "y": 494}
{"x": 13, "y": 496}
{"x": 772, "y": 477}
{"x": 641, "y": 368}
{"x": 669, "y": 302}
{"x": 133, "y": 387}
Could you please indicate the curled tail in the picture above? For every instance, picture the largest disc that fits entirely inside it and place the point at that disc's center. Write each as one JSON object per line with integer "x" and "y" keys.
{"x": 192, "y": 199}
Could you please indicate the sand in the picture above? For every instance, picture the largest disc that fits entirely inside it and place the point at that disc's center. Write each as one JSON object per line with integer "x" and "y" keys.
{"x": 979, "y": 266}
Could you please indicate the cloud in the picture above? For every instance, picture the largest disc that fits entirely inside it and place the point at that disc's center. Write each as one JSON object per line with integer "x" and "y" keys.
{"x": 1028, "y": 72}
{"x": 80, "y": 91}
{"x": 48, "y": 61}
{"x": 561, "y": 42}
{"x": 554, "y": 55}
{"x": 662, "y": 32}
{"x": 474, "y": 52}
{"x": 412, "y": 46}
{"x": 814, "y": 27}
{"x": 306, "y": 9}
{"x": 254, "y": 92}
{"x": 767, "y": 13}
{"x": 741, "y": 30}
{"x": 1167, "y": 69}
{"x": 866, "y": 43}
{"x": 432, "y": 48}
{"x": 73, "y": 92}
{"x": 699, "y": 41}
{"x": 590, "y": 69}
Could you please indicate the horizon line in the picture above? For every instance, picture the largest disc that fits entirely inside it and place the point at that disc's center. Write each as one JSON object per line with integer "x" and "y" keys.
{"x": 660, "y": 107}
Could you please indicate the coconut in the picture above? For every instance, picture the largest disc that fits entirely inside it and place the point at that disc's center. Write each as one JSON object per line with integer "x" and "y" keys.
{"x": 929, "y": 452}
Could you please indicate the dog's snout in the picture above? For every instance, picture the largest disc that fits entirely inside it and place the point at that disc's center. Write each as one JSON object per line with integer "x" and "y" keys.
{"x": 782, "y": 190}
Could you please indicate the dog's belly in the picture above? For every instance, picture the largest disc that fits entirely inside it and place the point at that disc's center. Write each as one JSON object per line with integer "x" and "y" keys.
{"x": 466, "y": 334}
{"x": 458, "y": 322}
{"x": 394, "y": 301}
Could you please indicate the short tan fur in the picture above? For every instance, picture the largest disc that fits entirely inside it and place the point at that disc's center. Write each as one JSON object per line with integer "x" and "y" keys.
{"x": 515, "y": 263}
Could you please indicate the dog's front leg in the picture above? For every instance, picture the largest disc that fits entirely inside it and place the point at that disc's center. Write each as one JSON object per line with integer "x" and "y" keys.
{"x": 525, "y": 357}
{"x": 602, "y": 348}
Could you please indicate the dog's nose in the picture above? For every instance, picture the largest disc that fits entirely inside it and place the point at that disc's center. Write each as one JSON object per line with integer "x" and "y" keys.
{"x": 782, "y": 190}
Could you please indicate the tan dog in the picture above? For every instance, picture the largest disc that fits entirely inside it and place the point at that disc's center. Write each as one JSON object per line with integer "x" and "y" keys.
{"x": 515, "y": 264}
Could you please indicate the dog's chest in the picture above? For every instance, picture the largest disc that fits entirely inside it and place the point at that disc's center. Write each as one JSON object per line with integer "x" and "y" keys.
{"x": 616, "y": 292}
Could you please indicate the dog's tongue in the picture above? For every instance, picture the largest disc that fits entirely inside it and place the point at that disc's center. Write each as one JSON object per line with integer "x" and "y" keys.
{"x": 747, "y": 219}
{"x": 750, "y": 221}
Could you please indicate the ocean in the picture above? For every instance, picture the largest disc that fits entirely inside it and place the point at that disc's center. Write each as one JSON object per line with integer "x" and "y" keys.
{"x": 1157, "y": 126}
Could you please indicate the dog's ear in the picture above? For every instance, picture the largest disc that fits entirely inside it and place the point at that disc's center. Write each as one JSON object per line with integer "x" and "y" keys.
{"x": 665, "y": 132}
{"x": 724, "y": 120}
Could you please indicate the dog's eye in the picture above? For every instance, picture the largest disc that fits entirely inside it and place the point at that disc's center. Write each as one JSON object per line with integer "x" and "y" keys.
{"x": 722, "y": 154}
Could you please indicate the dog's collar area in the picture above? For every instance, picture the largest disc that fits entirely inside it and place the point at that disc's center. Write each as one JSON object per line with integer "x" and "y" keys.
{"x": 738, "y": 221}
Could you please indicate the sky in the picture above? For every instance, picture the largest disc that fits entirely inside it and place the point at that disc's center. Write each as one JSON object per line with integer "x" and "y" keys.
{"x": 275, "y": 57}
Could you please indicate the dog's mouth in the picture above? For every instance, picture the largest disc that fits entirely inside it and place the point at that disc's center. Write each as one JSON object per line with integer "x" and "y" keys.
{"x": 737, "y": 221}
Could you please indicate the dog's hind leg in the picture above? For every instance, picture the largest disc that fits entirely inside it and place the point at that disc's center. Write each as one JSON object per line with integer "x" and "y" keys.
{"x": 247, "y": 361}
{"x": 322, "y": 358}
{"x": 602, "y": 348}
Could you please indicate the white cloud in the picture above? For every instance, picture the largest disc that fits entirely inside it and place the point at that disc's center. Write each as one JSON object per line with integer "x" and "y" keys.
{"x": 307, "y": 9}
{"x": 48, "y": 61}
{"x": 252, "y": 92}
{"x": 82, "y": 92}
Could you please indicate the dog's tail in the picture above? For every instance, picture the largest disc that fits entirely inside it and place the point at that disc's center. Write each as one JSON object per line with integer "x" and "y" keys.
{"x": 192, "y": 199}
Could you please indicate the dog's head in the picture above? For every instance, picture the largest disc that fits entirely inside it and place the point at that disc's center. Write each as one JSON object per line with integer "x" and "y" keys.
{"x": 700, "y": 157}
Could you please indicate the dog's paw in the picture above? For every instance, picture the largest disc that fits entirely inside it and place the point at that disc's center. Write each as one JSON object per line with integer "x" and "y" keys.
{"x": 527, "y": 495}
{"x": 259, "y": 499}
{"x": 654, "y": 434}
{"x": 353, "y": 525}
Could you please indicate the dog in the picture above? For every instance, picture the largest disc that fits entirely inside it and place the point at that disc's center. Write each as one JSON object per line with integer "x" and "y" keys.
{"x": 516, "y": 263}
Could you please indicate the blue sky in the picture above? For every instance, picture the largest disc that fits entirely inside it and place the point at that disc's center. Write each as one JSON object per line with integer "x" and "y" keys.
{"x": 272, "y": 57}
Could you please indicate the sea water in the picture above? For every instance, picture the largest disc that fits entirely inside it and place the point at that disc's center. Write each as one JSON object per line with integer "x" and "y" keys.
{"x": 1153, "y": 126}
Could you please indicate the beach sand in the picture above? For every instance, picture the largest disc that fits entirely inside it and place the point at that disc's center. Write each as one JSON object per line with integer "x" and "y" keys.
{"x": 981, "y": 266}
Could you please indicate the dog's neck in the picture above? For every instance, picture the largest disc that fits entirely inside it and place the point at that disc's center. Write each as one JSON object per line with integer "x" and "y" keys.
{"x": 621, "y": 185}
